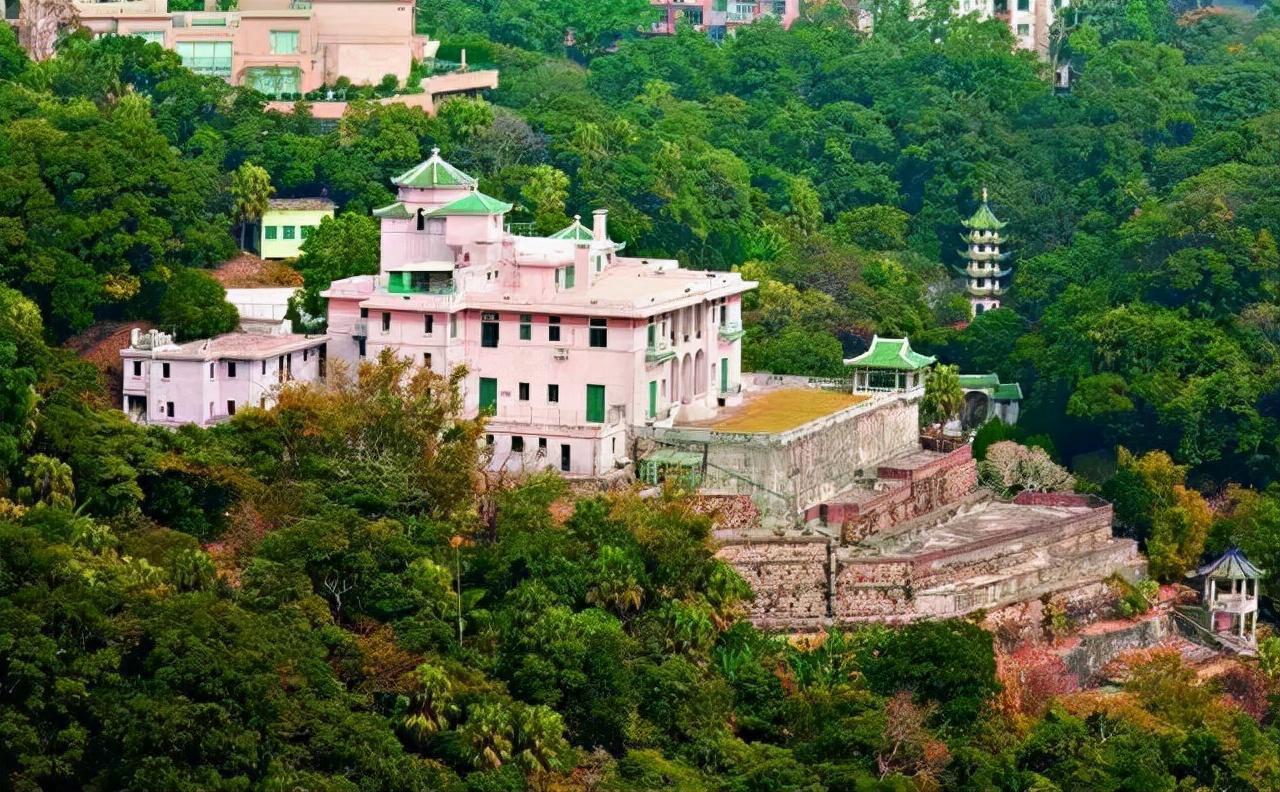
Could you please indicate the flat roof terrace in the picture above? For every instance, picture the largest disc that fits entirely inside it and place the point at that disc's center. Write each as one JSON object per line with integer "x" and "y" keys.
{"x": 985, "y": 519}
{"x": 774, "y": 410}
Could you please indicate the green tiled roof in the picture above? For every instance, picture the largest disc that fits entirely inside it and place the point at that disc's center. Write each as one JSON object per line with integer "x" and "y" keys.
{"x": 1232, "y": 565}
{"x": 891, "y": 353}
{"x": 474, "y": 203}
{"x": 434, "y": 172}
{"x": 979, "y": 381}
{"x": 395, "y": 211}
{"x": 984, "y": 219}
{"x": 576, "y": 231}
{"x": 1010, "y": 391}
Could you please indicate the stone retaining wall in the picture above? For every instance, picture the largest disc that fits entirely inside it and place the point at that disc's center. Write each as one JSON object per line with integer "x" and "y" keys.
{"x": 923, "y": 489}
{"x": 788, "y": 575}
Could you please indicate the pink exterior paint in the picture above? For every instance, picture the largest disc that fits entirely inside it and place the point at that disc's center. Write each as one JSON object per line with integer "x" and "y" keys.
{"x": 702, "y": 14}
{"x": 207, "y": 381}
{"x": 362, "y": 40}
{"x": 490, "y": 276}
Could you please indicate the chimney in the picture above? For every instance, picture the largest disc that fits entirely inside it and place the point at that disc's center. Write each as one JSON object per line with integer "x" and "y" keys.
{"x": 600, "y": 225}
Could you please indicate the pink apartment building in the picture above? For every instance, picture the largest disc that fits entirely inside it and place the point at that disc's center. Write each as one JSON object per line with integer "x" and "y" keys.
{"x": 280, "y": 47}
{"x": 204, "y": 382}
{"x": 567, "y": 344}
{"x": 718, "y": 17}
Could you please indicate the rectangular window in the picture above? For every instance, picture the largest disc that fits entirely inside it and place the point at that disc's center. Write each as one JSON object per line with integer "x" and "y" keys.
{"x": 168, "y": 408}
{"x": 1024, "y": 30}
{"x": 289, "y": 231}
{"x": 568, "y": 277}
{"x": 231, "y": 406}
{"x": 553, "y": 328}
{"x": 269, "y": 232}
{"x": 1024, "y": 5}
{"x": 386, "y": 321}
{"x": 137, "y": 368}
{"x": 542, "y": 444}
{"x": 488, "y": 395}
{"x": 595, "y": 403}
{"x": 231, "y": 369}
{"x": 428, "y": 324}
{"x": 213, "y": 370}
{"x": 264, "y": 365}
{"x": 553, "y": 394}
{"x": 526, "y": 327}
{"x": 304, "y": 355}
{"x": 453, "y": 325}
{"x": 359, "y": 351}
{"x": 276, "y": 82}
{"x": 517, "y": 444}
{"x": 652, "y": 412}
{"x": 524, "y": 391}
{"x": 284, "y": 42}
{"x": 489, "y": 330}
{"x": 426, "y": 359}
{"x": 364, "y": 313}
{"x": 653, "y": 335}
{"x": 599, "y": 332}
{"x": 151, "y": 36}
{"x": 164, "y": 371}
{"x": 564, "y": 457}
{"x": 210, "y": 58}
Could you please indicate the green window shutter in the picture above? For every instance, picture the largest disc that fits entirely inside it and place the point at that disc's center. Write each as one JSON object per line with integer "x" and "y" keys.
{"x": 653, "y": 398}
{"x": 271, "y": 232}
{"x": 288, "y": 231}
{"x": 568, "y": 277}
{"x": 488, "y": 395}
{"x": 595, "y": 403}
{"x": 724, "y": 374}
{"x": 653, "y": 335}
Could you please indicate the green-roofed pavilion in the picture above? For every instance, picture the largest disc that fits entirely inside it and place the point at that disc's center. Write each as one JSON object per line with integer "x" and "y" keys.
{"x": 984, "y": 219}
{"x": 474, "y": 203}
{"x": 434, "y": 173}
{"x": 889, "y": 364}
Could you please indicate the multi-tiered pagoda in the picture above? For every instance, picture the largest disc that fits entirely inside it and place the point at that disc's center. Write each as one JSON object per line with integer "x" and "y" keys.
{"x": 985, "y": 269}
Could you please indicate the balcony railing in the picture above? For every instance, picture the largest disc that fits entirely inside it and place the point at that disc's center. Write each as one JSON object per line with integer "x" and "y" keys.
{"x": 731, "y": 331}
{"x": 659, "y": 351}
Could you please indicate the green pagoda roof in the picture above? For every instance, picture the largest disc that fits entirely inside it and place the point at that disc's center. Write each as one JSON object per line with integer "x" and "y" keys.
{"x": 576, "y": 231}
{"x": 891, "y": 353}
{"x": 434, "y": 172}
{"x": 1231, "y": 566}
{"x": 473, "y": 203}
{"x": 979, "y": 381}
{"x": 396, "y": 211}
{"x": 1009, "y": 391}
{"x": 984, "y": 219}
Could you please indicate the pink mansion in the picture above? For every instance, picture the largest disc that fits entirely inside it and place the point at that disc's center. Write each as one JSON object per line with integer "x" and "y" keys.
{"x": 567, "y": 344}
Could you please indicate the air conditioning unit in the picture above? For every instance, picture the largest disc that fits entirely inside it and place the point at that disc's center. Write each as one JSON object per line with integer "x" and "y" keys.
{"x": 562, "y": 353}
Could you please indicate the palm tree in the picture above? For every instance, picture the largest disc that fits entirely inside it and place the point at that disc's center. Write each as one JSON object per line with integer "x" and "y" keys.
{"x": 618, "y": 581}
{"x": 487, "y": 734}
{"x": 431, "y": 702}
{"x": 250, "y": 193}
{"x": 540, "y": 738}
{"x": 943, "y": 396}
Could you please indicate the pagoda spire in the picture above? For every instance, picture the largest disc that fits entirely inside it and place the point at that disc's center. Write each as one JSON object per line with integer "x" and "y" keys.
{"x": 986, "y": 276}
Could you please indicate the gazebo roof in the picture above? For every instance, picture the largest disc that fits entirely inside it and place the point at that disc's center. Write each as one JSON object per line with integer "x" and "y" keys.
{"x": 891, "y": 353}
{"x": 473, "y": 203}
{"x": 1232, "y": 565}
{"x": 575, "y": 231}
{"x": 433, "y": 172}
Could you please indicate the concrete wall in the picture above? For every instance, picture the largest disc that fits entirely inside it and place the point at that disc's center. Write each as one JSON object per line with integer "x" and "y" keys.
{"x": 788, "y": 472}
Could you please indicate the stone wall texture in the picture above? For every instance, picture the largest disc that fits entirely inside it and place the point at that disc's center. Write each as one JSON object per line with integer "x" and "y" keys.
{"x": 921, "y": 491}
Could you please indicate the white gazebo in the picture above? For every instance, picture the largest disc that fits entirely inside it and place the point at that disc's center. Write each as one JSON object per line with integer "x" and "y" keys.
{"x": 1231, "y": 594}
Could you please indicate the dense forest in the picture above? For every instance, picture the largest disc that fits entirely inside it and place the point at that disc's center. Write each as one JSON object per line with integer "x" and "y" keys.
{"x": 329, "y": 596}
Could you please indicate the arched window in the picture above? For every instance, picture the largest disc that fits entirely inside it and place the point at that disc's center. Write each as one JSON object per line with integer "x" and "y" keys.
{"x": 422, "y": 219}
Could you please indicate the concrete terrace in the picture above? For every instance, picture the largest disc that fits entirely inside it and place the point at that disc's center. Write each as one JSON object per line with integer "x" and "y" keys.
{"x": 778, "y": 410}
